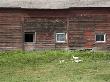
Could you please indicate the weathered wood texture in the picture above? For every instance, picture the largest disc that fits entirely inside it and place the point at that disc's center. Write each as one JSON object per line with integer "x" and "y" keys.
{"x": 85, "y": 24}
{"x": 10, "y": 31}
{"x": 46, "y": 24}
{"x": 45, "y": 29}
{"x": 81, "y": 26}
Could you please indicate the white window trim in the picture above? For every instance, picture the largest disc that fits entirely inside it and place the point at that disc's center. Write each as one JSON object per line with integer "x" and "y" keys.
{"x": 101, "y": 41}
{"x": 65, "y": 37}
{"x": 34, "y": 41}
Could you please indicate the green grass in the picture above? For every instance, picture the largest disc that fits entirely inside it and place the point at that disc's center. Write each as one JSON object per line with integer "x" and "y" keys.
{"x": 44, "y": 66}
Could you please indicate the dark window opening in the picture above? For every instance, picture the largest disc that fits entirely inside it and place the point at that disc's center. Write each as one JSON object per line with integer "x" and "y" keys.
{"x": 29, "y": 37}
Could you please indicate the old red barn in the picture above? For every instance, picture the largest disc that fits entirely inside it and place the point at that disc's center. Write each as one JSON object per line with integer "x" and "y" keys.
{"x": 54, "y": 24}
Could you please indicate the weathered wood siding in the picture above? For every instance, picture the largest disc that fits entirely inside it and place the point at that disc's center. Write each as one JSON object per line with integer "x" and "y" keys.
{"x": 45, "y": 29}
{"x": 10, "y": 30}
{"x": 81, "y": 26}
{"x": 84, "y": 24}
{"x": 46, "y": 24}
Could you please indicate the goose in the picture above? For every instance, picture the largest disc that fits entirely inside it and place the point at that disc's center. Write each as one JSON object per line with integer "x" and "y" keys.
{"x": 61, "y": 61}
{"x": 77, "y": 61}
{"x": 76, "y": 58}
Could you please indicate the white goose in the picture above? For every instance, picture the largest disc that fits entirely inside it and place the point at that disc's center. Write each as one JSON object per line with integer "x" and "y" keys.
{"x": 77, "y": 61}
{"x": 75, "y": 58}
{"x": 61, "y": 61}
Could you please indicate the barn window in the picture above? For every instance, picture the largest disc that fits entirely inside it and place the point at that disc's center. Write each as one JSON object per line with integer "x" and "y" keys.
{"x": 61, "y": 37}
{"x": 100, "y": 37}
{"x": 29, "y": 36}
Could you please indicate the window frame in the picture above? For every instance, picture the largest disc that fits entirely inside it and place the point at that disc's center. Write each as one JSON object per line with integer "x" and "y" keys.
{"x": 34, "y": 37}
{"x": 65, "y": 37}
{"x": 100, "y": 34}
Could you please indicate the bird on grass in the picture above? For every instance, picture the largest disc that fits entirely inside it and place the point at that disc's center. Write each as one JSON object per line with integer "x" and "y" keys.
{"x": 75, "y": 58}
{"x": 61, "y": 61}
{"x": 77, "y": 61}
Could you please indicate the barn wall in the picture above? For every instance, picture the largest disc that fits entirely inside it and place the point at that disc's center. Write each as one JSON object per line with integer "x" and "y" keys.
{"x": 81, "y": 25}
{"x": 14, "y": 22}
{"x": 84, "y": 24}
{"x": 46, "y": 24}
{"x": 10, "y": 30}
